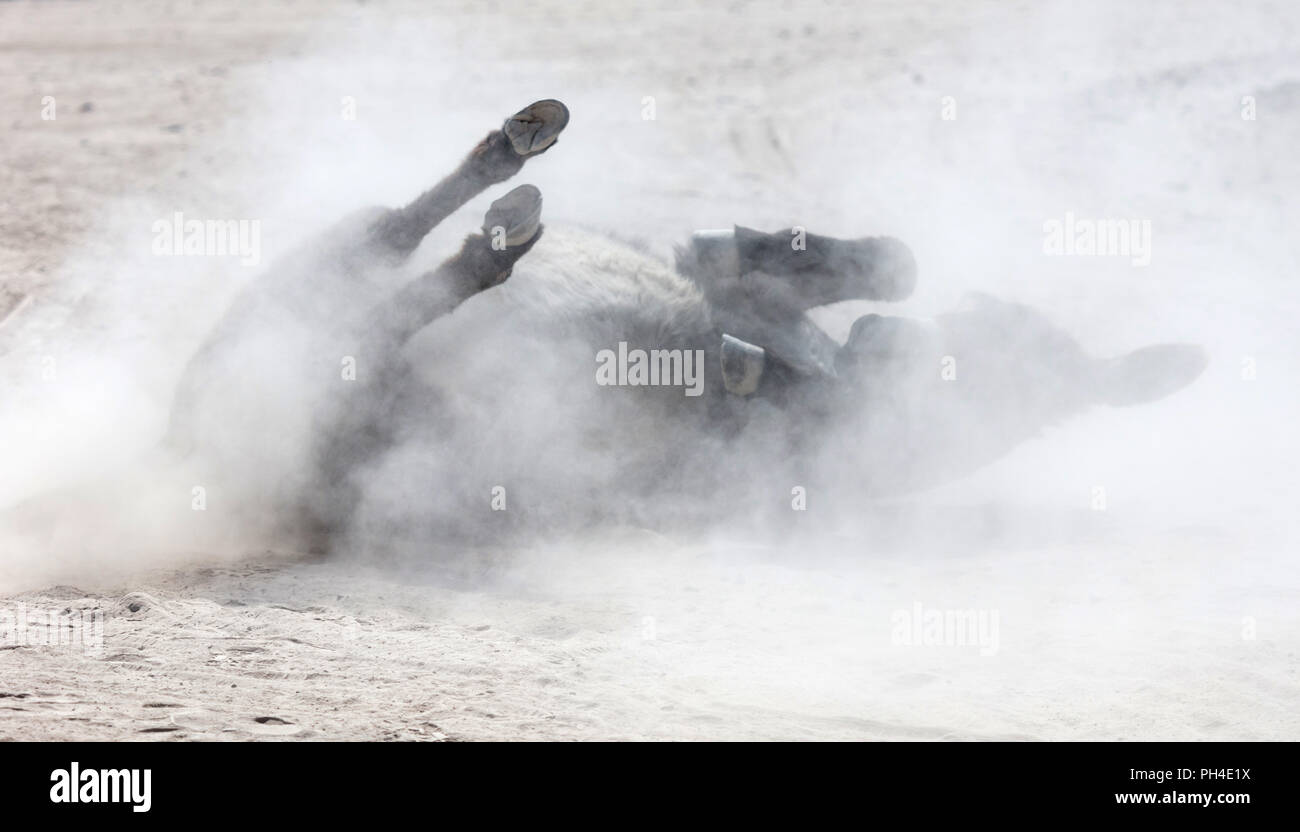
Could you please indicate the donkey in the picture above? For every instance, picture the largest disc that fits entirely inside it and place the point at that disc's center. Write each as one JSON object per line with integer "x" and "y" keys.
{"x": 475, "y": 402}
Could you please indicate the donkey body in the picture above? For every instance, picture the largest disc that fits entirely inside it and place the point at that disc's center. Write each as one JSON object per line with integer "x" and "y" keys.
{"x": 499, "y": 406}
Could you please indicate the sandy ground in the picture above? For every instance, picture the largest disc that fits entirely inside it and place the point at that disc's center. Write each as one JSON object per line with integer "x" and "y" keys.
{"x": 1173, "y": 614}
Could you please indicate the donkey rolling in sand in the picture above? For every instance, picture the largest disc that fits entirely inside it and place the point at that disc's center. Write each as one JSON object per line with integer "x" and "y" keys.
{"x": 509, "y": 413}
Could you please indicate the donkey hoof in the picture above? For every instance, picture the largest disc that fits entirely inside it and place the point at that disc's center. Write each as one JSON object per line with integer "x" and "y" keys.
{"x": 536, "y": 127}
{"x": 887, "y": 267}
{"x": 514, "y": 218}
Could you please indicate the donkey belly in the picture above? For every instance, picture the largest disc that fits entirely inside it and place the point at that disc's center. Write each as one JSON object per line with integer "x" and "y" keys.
{"x": 509, "y": 427}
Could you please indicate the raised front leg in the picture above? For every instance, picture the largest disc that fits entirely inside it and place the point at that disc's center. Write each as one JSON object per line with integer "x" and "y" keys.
{"x": 801, "y": 270}
{"x": 760, "y": 286}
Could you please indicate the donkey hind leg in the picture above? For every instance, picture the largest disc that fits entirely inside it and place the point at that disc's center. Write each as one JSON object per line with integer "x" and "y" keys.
{"x": 363, "y": 426}
{"x": 511, "y": 227}
{"x": 499, "y": 156}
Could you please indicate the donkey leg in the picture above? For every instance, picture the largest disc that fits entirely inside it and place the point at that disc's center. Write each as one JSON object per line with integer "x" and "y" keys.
{"x": 530, "y": 132}
{"x": 767, "y": 312}
{"x": 801, "y": 271}
{"x": 760, "y": 286}
{"x": 511, "y": 227}
{"x": 360, "y": 429}
{"x": 822, "y": 270}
